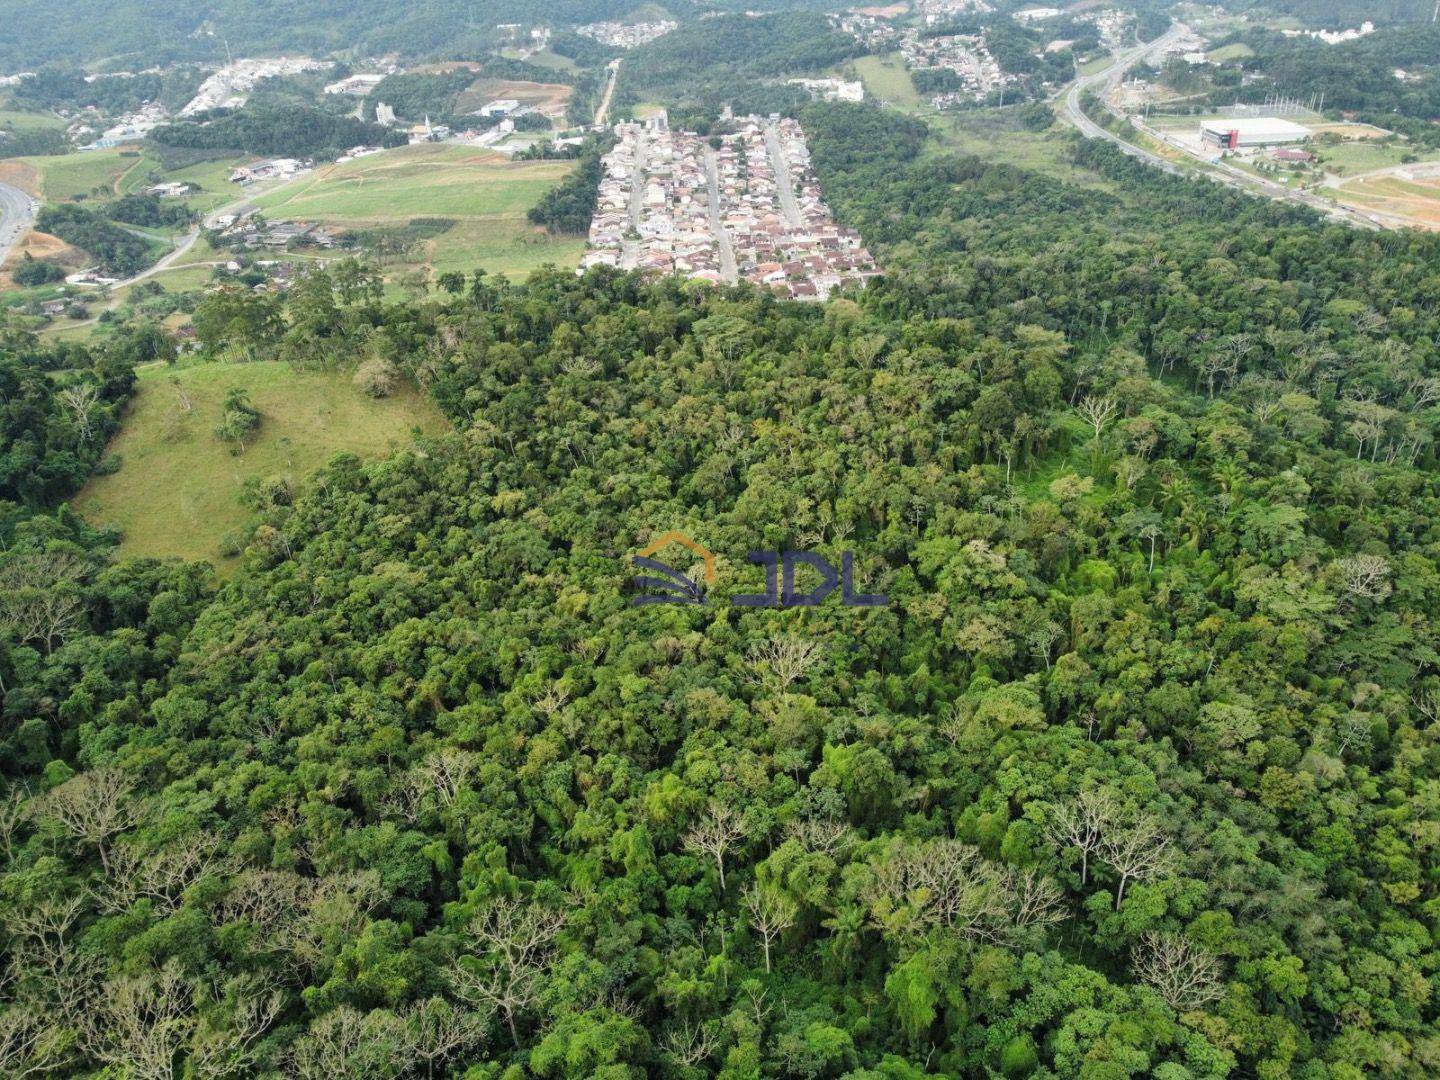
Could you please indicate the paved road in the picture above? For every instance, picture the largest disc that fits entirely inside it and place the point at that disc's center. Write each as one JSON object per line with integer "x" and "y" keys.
{"x": 1106, "y": 81}
{"x": 185, "y": 244}
{"x": 604, "y": 109}
{"x": 728, "y": 269}
{"x": 781, "y": 164}
{"x": 630, "y": 249}
{"x": 17, "y": 214}
{"x": 170, "y": 259}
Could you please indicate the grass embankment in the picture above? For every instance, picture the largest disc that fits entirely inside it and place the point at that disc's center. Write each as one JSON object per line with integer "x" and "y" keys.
{"x": 62, "y": 177}
{"x": 486, "y": 196}
{"x": 177, "y": 490}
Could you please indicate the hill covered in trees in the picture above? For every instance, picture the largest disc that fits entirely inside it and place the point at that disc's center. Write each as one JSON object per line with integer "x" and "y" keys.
{"x": 1134, "y": 776}
{"x": 132, "y": 33}
{"x": 291, "y": 132}
{"x": 1357, "y": 76}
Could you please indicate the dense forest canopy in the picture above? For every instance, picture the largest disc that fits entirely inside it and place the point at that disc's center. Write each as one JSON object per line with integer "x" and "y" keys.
{"x": 733, "y": 60}
{"x": 1134, "y": 776}
{"x": 1134, "y": 773}
{"x": 67, "y": 88}
{"x": 118, "y": 251}
{"x": 1340, "y": 14}
{"x": 36, "y": 32}
{"x": 1356, "y": 75}
{"x": 126, "y": 33}
{"x": 288, "y": 132}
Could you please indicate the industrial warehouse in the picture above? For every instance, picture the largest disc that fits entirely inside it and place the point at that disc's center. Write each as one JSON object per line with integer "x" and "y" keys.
{"x": 1241, "y": 132}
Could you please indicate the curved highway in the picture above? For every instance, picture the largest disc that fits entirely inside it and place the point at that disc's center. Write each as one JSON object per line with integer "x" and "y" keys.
{"x": 17, "y": 214}
{"x": 1106, "y": 81}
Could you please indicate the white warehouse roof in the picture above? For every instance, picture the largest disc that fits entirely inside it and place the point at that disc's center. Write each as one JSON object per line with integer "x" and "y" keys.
{"x": 1258, "y": 129}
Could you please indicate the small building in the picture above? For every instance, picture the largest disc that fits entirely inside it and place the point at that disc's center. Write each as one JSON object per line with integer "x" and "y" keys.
{"x": 1240, "y": 132}
{"x": 500, "y": 107}
{"x": 1293, "y": 154}
{"x": 269, "y": 170}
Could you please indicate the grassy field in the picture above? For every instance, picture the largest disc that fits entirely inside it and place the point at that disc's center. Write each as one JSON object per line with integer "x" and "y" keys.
{"x": 176, "y": 493}
{"x": 118, "y": 171}
{"x": 486, "y": 195}
{"x": 66, "y": 176}
{"x": 23, "y": 120}
{"x": 1361, "y": 155}
{"x": 887, "y": 78}
{"x": 211, "y": 177}
{"x": 420, "y": 181}
{"x": 996, "y": 135}
{"x": 544, "y": 58}
{"x": 1237, "y": 50}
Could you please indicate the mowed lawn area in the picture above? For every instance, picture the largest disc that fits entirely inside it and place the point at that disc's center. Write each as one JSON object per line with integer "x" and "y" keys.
{"x": 887, "y": 78}
{"x": 485, "y": 194}
{"x": 177, "y": 490}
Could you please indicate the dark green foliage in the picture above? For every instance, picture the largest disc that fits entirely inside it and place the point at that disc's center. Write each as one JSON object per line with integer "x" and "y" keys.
{"x": 149, "y": 211}
{"x": 585, "y": 51}
{"x": 1353, "y": 75}
{"x": 1338, "y": 14}
{"x": 714, "y": 61}
{"x": 118, "y": 252}
{"x": 38, "y": 141}
{"x": 54, "y": 426}
{"x": 414, "y": 97}
{"x": 281, "y": 132}
{"x": 569, "y": 206}
{"x": 67, "y": 88}
{"x": 238, "y": 419}
{"x": 134, "y": 33}
{"x": 936, "y": 80}
{"x": 32, "y": 271}
{"x": 1148, "y": 471}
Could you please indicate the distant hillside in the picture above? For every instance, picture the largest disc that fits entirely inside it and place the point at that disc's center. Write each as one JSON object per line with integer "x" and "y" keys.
{"x": 1332, "y": 14}
{"x": 1358, "y": 75}
{"x": 34, "y": 32}
{"x": 734, "y": 60}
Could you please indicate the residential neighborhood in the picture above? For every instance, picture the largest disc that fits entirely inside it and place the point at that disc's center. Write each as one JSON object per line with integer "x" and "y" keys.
{"x": 741, "y": 206}
{"x": 229, "y": 88}
{"x": 626, "y": 35}
{"x": 832, "y": 89}
{"x": 965, "y": 54}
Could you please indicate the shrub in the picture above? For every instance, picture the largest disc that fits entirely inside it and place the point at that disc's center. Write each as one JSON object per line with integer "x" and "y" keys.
{"x": 33, "y": 271}
{"x": 377, "y": 377}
